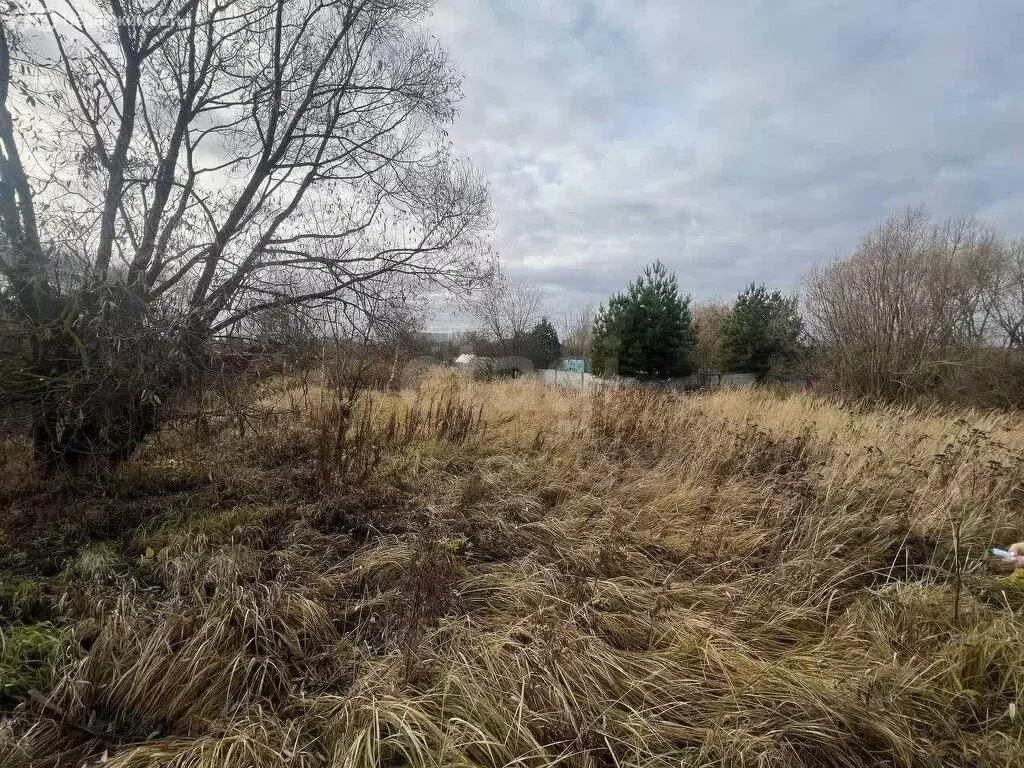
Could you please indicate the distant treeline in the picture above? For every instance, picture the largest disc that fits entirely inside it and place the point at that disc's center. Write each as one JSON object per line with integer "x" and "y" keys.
{"x": 921, "y": 308}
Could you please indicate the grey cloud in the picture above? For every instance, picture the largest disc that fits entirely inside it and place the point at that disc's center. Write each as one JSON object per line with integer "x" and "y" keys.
{"x": 735, "y": 141}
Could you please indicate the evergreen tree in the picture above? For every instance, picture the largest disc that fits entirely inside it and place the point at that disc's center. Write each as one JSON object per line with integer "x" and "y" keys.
{"x": 762, "y": 333}
{"x": 543, "y": 344}
{"x": 645, "y": 331}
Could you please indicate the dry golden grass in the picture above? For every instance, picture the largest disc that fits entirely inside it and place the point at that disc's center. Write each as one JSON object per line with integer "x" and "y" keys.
{"x": 494, "y": 574}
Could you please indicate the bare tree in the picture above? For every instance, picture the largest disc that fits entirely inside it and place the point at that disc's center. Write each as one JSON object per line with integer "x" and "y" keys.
{"x": 707, "y": 322}
{"x": 576, "y": 328}
{"x": 506, "y": 311}
{"x": 23, "y": 259}
{"x": 212, "y": 162}
{"x": 908, "y": 308}
{"x": 1007, "y": 299}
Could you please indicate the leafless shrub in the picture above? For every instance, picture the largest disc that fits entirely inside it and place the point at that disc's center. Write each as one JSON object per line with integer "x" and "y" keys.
{"x": 707, "y": 322}
{"x": 352, "y": 436}
{"x": 1007, "y": 297}
{"x": 347, "y": 450}
{"x": 908, "y": 309}
{"x": 576, "y": 329}
{"x": 506, "y": 311}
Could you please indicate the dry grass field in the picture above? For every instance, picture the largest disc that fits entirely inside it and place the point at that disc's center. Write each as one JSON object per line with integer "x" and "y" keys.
{"x": 496, "y": 574}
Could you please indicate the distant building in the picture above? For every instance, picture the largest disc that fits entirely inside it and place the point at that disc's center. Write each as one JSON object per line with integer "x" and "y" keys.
{"x": 473, "y": 363}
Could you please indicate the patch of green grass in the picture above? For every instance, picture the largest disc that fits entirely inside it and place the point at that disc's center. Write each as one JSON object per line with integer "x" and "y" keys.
{"x": 94, "y": 562}
{"x": 218, "y": 526}
{"x": 24, "y": 651}
{"x": 1016, "y": 579}
{"x": 22, "y": 599}
{"x": 157, "y": 476}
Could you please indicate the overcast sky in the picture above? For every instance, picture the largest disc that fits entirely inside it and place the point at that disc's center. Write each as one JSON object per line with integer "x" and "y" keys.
{"x": 734, "y": 140}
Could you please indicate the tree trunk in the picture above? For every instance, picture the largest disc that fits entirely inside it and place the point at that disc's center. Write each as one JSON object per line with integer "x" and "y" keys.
{"x": 96, "y": 440}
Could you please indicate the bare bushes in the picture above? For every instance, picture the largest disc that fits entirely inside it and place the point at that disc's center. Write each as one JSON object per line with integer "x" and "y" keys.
{"x": 919, "y": 308}
{"x": 353, "y": 433}
{"x": 348, "y": 448}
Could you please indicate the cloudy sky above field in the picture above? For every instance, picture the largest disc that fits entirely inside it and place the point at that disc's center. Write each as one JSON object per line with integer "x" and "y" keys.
{"x": 736, "y": 141}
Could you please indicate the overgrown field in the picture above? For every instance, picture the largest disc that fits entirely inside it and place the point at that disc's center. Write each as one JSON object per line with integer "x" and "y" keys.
{"x": 487, "y": 574}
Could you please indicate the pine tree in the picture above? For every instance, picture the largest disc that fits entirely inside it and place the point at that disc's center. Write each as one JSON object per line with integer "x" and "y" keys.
{"x": 645, "y": 331}
{"x": 543, "y": 344}
{"x": 762, "y": 333}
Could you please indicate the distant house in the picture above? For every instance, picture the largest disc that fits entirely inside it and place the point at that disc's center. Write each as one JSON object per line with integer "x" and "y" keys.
{"x": 493, "y": 367}
{"x": 473, "y": 363}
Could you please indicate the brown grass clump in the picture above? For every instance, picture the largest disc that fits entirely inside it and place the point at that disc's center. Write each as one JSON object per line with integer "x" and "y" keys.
{"x": 493, "y": 574}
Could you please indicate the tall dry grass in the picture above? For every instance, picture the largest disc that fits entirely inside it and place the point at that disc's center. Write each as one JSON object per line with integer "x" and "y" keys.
{"x": 521, "y": 575}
